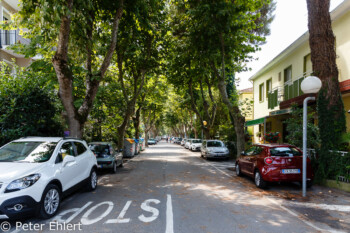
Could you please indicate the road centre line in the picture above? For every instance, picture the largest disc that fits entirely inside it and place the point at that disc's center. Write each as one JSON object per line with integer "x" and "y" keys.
{"x": 169, "y": 215}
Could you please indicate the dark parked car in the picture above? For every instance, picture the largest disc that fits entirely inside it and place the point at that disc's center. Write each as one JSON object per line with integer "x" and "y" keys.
{"x": 107, "y": 155}
{"x": 273, "y": 163}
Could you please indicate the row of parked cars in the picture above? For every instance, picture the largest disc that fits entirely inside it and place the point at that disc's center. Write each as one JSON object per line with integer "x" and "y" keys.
{"x": 37, "y": 172}
{"x": 208, "y": 148}
{"x": 263, "y": 162}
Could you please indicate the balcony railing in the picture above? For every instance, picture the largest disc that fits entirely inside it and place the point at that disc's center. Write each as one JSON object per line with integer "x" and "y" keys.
{"x": 10, "y": 37}
{"x": 292, "y": 87}
{"x": 289, "y": 90}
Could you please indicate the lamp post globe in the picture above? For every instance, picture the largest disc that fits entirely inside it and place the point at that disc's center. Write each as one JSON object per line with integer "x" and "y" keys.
{"x": 311, "y": 85}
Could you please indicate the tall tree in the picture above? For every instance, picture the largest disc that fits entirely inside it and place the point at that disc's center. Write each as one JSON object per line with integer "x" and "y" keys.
{"x": 75, "y": 35}
{"x": 139, "y": 54}
{"x": 330, "y": 107}
{"x": 222, "y": 35}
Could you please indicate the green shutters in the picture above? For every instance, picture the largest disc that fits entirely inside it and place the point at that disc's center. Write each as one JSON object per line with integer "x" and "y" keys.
{"x": 293, "y": 90}
{"x": 300, "y": 91}
{"x": 286, "y": 93}
{"x": 273, "y": 99}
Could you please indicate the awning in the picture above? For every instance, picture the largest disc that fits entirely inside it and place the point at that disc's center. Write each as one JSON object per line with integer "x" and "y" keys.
{"x": 255, "y": 122}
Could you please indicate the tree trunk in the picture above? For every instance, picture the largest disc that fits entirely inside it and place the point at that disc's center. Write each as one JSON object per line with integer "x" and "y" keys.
{"x": 136, "y": 120}
{"x": 121, "y": 128}
{"x": 77, "y": 117}
{"x": 206, "y": 132}
{"x": 330, "y": 105}
{"x": 235, "y": 113}
{"x": 233, "y": 109}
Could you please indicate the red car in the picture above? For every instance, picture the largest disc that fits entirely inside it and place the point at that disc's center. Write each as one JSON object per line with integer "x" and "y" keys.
{"x": 273, "y": 163}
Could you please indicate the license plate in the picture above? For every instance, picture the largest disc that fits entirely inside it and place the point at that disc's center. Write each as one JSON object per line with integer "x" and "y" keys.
{"x": 99, "y": 166}
{"x": 290, "y": 171}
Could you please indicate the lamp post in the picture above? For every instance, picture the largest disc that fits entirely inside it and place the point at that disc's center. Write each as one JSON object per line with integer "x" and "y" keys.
{"x": 310, "y": 85}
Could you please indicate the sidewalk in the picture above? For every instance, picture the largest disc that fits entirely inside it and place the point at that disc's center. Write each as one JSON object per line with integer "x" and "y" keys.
{"x": 325, "y": 209}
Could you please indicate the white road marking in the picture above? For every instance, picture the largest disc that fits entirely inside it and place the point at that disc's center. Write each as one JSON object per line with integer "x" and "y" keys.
{"x": 155, "y": 212}
{"x": 85, "y": 219}
{"x": 341, "y": 208}
{"x": 304, "y": 221}
{"x": 76, "y": 212}
{"x": 169, "y": 216}
{"x": 120, "y": 218}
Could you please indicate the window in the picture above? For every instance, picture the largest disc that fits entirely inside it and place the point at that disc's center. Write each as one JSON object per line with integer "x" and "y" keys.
{"x": 279, "y": 77}
{"x": 307, "y": 64}
{"x": 261, "y": 92}
{"x": 80, "y": 148}
{"x": 67, "y": 149}
{"x": 285, "y": 151}
{"x": 254, "y": 150}
{"x": 288, "y": 74}
{"x": 268, "y": 86}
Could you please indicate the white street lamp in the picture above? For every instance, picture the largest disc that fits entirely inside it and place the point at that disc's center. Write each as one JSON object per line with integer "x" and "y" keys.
{"x": 310, "y": 85}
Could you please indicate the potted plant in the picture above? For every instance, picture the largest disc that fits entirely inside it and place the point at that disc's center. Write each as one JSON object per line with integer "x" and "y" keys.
{"x": 272, "y": 137}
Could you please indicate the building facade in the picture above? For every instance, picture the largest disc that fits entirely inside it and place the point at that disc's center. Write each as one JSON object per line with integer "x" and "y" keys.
{"x": 10, "y": 37}
{"x": 277, "y": 85}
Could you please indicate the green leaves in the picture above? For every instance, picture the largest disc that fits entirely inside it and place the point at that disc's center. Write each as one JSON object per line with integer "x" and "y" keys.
{"x": 27, "y": 105}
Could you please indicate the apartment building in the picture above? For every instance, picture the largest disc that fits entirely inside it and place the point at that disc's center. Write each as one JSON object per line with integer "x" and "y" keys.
{"x": 10, "y": 37}
{"x": 277, "y": 85}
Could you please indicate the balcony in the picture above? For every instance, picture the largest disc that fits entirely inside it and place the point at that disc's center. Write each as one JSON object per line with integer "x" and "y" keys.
{"x": 284, "y": 96}
{"x": 10, "y": 37}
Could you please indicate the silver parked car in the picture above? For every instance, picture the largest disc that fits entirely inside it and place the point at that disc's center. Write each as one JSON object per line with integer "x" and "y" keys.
{"x": 107, "y": 155}
{"x": 214, "y": 149}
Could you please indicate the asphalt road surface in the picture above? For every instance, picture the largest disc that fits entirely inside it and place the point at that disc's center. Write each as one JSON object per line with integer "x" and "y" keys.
{"x": 168, "y": 189}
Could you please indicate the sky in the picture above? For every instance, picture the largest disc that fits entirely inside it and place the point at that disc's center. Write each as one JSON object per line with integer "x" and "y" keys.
{"x": 289, "y": 24}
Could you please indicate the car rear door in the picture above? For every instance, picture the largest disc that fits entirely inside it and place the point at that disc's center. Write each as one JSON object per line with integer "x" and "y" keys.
{"x": 68, "y": 173}
{"x": 83, "y": 160}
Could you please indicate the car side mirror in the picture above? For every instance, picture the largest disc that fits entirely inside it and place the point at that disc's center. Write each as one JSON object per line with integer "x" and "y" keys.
{"x": 68, "y": 159}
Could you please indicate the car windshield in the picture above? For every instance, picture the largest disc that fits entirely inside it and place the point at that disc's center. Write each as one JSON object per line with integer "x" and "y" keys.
{"x": 30, "y": 152}
{"x": 284, "y": 151}
{"x": 197, "y": 141}
{"x": 214, "y": 144}
{"x": 100, "y": 149}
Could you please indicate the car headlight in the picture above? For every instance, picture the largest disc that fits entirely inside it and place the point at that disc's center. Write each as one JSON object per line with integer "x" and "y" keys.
{"x": 22, "y": 183}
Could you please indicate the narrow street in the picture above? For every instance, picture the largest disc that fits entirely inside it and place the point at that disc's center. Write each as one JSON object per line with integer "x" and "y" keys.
{"x": 169, "y": 189}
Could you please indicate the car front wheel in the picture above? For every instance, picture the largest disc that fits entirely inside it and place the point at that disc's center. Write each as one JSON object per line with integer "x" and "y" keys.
{"x": 238, "y": 170}
{"x": 114, "y": 167}
{"x": 50, "y": 201}
{"x": 92, "y": 182}
{"x": 259, "y": 181}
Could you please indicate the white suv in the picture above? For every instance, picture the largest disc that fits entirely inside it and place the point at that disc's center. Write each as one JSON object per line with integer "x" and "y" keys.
{"x": 36, "y": 172}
